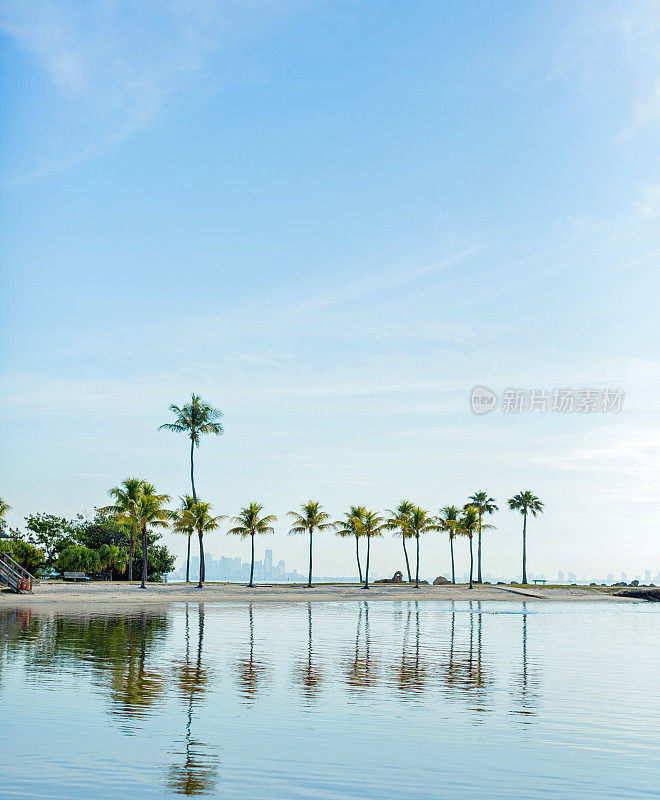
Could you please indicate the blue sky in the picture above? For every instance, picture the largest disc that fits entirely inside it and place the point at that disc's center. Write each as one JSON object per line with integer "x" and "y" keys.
{"x": 333, "y": 219}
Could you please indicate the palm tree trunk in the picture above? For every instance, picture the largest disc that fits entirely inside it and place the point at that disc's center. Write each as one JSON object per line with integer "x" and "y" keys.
{"x": 479, "y": 552}
{"x": 366, "y": 572}
{"x": 202, "y": 566}
{"x": 309, "y": 581}
{"x": 144, "y": 558}
{"x": 132, "y": 553}
{"x": 357, "y": 556}
{"x": 188, "y": 562}
{"x": 192, "y": 469}
{"x": 405, "y": 552}
{"x": 471, "y": 562}
{"x": 417, "y": 564}
{"x": 524, "y": 574}
{"x": 451, "y": 547}
{"x": 252, "y": 562}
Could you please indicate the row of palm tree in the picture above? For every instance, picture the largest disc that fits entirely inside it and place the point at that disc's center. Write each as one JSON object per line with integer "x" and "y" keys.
{"x": 198, "y": 418}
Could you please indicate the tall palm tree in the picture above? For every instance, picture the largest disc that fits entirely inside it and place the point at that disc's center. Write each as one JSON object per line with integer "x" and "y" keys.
{"x": 200, "y": 519}
{"x": 351, "y": 527}
{"x": 526, "y": 503}
{"x": 126, "y": 497}
{"x": 419, "y": 522}
{"x": 371, "y": 525}
{"x": 182, "y": 524}
{"x": 150, "y": 511}
{"x": 249, "y": 523}
{"x": 195, "y": 419}
{"x": 398, "y": 520}
{"x": 484, "y": 505}
{"x": 311, "y": 519}
{"x": 468, "y": 526}
{"x": 449, "y": 521}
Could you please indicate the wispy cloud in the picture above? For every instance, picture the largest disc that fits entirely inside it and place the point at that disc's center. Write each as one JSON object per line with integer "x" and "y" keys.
{"x": 612, "y": 52}
{"x": 117, "y": 64}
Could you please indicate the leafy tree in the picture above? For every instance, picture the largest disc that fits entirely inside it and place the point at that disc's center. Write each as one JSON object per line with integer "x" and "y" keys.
{"x": 78, "y": 558}
{"x": 126, "y": 497}
{"x": 527, "y": 503}
{"x": 484, "y": 505}
{"x": 399, "y": 521}
{"x": 27, "y": 555}
{"x": 150, "y": 512}
{"x": 159, "y": 559}
{"x": 371, "y": 525}
{"x": 249, "y": 523}
{"x": 50, "y": 534}
{"x": 351, "y": 527}
{"x": 200, "y": 519}
{"x": 195, "y": 419}
{"x": 449, "y": 521}
{"x": 4, "y": 508}
{"x": 311, "y": 519}
{"x": 183, "y": 524}
{"x": 419, "y": 522}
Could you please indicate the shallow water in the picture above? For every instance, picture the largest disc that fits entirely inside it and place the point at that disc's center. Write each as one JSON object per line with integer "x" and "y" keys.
{"x": 332, "y": 700}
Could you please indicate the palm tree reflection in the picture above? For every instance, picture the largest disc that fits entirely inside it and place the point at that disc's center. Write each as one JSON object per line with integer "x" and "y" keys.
{"x": 250, "y": 671}
{"x": 198, "y": 772}
{"x": 362, "y": 668}
{"x": 307, "y": 670}
{"x": 465, "y": 670}
{"x": 412, "y": 670}
{"x": 526, "y": 685}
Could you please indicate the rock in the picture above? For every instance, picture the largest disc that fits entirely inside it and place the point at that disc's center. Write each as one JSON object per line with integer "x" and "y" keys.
{"x": 653, "y": 595}
{"x": 396, "y": 578}
{"x": 440, "y": 581}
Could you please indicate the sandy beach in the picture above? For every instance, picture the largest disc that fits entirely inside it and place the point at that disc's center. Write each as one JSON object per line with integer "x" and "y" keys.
{"x": 54, "y": 592}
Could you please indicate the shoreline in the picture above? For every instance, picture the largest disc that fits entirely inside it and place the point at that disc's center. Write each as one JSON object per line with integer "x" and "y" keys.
{"x": 99, "y": 592}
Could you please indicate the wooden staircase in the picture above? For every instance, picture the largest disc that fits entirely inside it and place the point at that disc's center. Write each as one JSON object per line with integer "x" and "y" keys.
{"x": 13, "y": 575}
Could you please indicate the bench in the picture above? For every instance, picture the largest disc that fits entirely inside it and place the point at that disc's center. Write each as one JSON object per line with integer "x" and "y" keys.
{"x": 540, "y": 580}
{"x": 74, "y": 576}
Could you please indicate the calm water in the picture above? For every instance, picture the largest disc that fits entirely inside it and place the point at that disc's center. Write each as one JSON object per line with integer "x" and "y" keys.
{"x": 334, "y": 700}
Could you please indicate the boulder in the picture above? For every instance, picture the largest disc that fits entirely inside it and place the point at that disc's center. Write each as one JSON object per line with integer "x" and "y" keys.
{"x": 396, "y": 578}
{"x": 440, "y": 581}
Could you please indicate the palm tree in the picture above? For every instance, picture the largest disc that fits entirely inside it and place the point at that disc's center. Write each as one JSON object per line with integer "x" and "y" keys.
{"x": 199, "y": 518}
{"x": 4, "y": 508}
{"x": 351, "y": 527}
{"x": 182, "y": 524}
{"x": 526, "y": 503}
{"x": 420, "y": 521}
{"x": 484, "y": 505}
{"x": 112, "y": 557}
{"x": 194, "y": 419}
{"x": 311, "y": 519}
{"x": 468, "y": 526}
{"x": 449, "y": 521}
{"x": 126, "y": 497}
{"x": 150, "y": 511}
{"x": 398, "y": 520}
{"x": 249, "y": 523}
{"x": 370, "y": 525}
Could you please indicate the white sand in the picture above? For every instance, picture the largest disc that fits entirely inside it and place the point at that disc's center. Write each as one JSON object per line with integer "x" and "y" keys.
{"x": 55, "y": 592}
